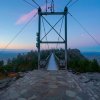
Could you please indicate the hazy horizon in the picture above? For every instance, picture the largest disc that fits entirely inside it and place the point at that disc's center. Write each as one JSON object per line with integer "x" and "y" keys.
{"x": 16, "y": 13}
{"x": 28, "y": 50}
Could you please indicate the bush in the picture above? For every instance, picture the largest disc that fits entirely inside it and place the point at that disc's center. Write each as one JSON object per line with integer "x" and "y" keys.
{"x": 24, "y": 62}
{"x": 77, "y": 62}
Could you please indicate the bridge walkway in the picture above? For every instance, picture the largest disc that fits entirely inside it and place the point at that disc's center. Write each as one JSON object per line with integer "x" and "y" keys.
{"x": 52, "y": 63}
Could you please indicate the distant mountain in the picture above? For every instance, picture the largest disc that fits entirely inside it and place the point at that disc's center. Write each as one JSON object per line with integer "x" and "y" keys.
{"x": 9, "y": 54}
{"x": 14, "y": 50}
{"x": 92, "y": 55}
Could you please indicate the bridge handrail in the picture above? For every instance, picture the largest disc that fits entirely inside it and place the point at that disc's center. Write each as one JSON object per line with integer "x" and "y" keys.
{"x": 56, "y": 57}
{"x": 60, "y": 62}
{"x": 48, "y": 57}
{"x": 46, "y": 61}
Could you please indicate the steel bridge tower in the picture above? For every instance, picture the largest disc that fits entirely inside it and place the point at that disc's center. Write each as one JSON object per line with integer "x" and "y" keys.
{"x": 41, "y": 14}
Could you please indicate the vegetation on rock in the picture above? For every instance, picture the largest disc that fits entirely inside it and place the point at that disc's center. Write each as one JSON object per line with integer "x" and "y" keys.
{"x": 23, "y": 62}
{"x": 26, "y": 62}
{"x": 77, "y": 62}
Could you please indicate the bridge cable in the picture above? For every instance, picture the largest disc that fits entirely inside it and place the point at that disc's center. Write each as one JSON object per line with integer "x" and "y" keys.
{"x": 45, "y": 31}
{"x": 28, "y": 3}
{"x": 36, "y": 3}
{"x": 53, "y": 26}
{"x": 31, "y": 6}
{"x": 60, "y": 31}
{"x": 97, "y": 42}
{"x": 17, "y": 34}
{"x": 69, "y": 2}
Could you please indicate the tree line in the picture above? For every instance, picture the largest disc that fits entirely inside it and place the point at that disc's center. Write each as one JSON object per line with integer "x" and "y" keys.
{"x": 26, "y": 62}
{"x": 77, "y": 62}
{"x": 23, "y": 62}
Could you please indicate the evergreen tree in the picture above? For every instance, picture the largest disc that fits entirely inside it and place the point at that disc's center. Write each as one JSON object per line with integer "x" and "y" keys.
{"x": 1, "y": 63}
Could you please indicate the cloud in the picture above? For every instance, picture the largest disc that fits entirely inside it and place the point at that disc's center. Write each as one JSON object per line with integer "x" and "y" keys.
{"x": 26, "y": 17}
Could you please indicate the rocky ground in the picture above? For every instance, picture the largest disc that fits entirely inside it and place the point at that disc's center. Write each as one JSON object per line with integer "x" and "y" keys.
{"x": 89, "y": 82}
{"x": 53, "y": 85}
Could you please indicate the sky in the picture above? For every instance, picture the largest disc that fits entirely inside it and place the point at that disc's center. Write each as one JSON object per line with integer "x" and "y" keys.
{"x": 14, "y": 14}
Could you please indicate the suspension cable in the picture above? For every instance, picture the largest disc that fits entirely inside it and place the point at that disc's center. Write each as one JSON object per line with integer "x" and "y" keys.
{"x": 60, "y": 31}
{"x": 28, "y": 3}
{"x": 36, "y": 3}
{"x": 52, "y": 26}
{"x": 85, "y": 29}
{"x": 69, "y": 2}
{"x": 17, "y": 34}
{"x": 45, "y": 31}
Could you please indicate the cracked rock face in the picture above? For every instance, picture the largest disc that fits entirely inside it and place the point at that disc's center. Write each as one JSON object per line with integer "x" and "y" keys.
{"x": 53, "y": 85}
{"x": 70, "y": 93}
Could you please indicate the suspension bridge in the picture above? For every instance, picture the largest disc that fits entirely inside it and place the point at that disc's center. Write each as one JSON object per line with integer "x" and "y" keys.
{"x": 48, "y": 82}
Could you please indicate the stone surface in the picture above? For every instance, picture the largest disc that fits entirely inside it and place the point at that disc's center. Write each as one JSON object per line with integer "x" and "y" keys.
{"x": 70, "y": 93}
{"x": 53, "y": 85}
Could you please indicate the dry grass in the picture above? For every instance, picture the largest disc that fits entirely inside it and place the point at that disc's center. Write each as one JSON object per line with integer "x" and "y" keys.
{"x": 2, "y": 76}
{"x": 12, "y": 74}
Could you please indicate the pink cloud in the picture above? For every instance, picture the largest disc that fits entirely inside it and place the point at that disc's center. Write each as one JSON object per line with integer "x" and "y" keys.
{"x": 25, "y": 18}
